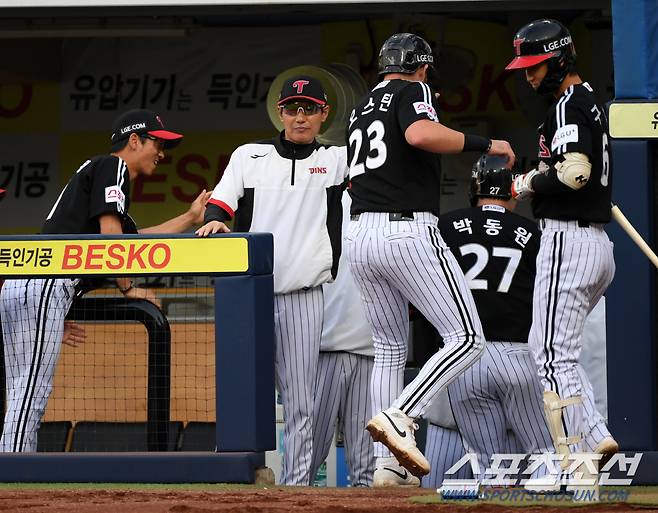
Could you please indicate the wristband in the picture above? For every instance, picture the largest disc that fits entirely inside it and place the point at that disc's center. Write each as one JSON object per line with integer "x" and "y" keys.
{"x": 123, "y": 291}
{"x": 476, "y": 143}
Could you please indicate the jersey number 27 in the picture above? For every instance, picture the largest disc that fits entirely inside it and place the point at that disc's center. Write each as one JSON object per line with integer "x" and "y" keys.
{"x": 482, "y": 259}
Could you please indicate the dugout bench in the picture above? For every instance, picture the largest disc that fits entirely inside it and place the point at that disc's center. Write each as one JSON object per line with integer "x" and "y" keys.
{"x": 242, "y": 266}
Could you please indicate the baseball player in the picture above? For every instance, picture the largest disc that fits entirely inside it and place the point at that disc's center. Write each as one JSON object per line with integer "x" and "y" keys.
{"x": 291, "y": 186}
{"x": 497, "y": 249}
{"x": 342, "y": 396}
{"x": 95, "y": 200}
{"x": 394, "y": 247}
{"x": 570, "y": 193}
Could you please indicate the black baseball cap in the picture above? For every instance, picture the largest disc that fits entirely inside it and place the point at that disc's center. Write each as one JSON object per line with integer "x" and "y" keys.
{"x": 143, "y": 122}
{"x": 303, "y": 87}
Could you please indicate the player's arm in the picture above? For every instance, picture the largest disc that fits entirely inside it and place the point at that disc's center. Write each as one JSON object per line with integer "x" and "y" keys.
{"x": 193, "y": 217}
{"x": 570, "y": 173}
{"x": 422, "y": 129}
{"x": 224, "y": 199}
{"x": 110, "y": 224}
{"x": 572, "y": 145}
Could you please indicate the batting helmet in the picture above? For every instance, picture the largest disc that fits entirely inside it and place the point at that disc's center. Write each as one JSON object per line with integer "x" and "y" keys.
{"x": 404, "y": 53}
{"x": 545, "y": 40}
{"x": 490, "y": 179}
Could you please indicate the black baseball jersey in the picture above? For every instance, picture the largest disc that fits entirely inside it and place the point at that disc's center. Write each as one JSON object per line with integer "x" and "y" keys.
{"x": 386, "y": 173}
{"x": 575, "y": 123}
{"x": 497, "y": 251}
{"x": 100, "y": 186}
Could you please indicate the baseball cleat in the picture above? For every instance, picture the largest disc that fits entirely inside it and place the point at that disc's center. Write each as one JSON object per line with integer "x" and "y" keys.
{"x": 396, "y": 431}
{"x": 607, "y": 448}
{"x": 388, "y": 472}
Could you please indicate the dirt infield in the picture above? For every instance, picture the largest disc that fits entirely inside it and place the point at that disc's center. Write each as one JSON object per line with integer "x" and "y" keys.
{"x": 255, "y": 500}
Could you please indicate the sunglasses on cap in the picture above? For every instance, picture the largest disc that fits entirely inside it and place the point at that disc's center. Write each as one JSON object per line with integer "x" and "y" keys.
{"x": 308, "y": 108}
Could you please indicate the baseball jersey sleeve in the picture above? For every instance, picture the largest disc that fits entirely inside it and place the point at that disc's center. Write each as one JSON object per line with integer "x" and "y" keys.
{"x": 224, "y": 199}
{"x": 110, "y": 187}
{"x": 414, "y": 104}
{"x": 573, "y": 131}
{"x": 573, "y": 134}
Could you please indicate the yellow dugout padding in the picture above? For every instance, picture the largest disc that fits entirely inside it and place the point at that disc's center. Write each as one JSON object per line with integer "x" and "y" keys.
{"x": 117, "y": 257}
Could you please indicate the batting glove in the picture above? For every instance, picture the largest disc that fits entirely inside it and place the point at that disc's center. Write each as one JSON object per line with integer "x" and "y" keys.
{"x": 522, "y": 185}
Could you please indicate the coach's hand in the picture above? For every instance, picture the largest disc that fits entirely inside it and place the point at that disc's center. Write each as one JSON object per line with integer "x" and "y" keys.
{"x": 198, "y": 207}
{"x": 142, "y": 293}
{"x": 503, "y": 149}
{"x": 212, "y": 227}
{"x": 74, "y": 334}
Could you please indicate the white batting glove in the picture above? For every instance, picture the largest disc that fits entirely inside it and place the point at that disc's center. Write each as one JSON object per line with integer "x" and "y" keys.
{"x": 543, "y": 167}
{"x": 522, "y": 185}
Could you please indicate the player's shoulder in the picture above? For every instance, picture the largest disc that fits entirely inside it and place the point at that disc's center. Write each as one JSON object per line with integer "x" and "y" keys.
{"x": 450, "y": 221}
{"x": 522, "y": 221}
{"x": 255, "y": 150}
{"x": 455, "y": 214}
{"x": 103, "y": 164}
{"x": 578, "y": 97}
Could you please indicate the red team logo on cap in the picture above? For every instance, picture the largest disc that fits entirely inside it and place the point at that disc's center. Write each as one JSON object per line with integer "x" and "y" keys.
{"x": 517, "y": 46}
{"x": 299, "y": 84}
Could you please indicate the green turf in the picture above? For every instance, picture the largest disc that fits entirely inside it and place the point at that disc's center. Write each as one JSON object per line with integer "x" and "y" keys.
{"x": 638, "y": 495}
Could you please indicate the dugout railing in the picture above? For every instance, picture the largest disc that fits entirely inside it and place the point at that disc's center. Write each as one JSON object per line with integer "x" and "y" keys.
{"x": 100, "y": 309}
{"x": 241, "y": 265}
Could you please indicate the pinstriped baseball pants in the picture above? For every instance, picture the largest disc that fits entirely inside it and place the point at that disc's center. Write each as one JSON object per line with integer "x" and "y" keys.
{"x": 443, "y": 448}
{"x": 498, "y": 400}
{"x": 574, "y": 268}
{"x": 33, "y": 314}
{"x": 298, "y": 320}
{"x": 343, "y": 398}
{"x": 397, "y": 262}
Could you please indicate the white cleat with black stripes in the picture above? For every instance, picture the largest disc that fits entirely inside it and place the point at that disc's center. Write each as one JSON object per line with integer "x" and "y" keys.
{"x": 396, "y": 431}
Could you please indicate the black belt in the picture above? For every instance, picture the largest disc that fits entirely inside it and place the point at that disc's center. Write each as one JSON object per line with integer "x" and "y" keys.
{"x": 406, "y": 215}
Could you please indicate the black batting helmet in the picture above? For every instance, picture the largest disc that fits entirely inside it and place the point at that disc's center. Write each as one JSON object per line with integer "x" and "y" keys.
{"x": 404, "y": 53}
{"x": 545, "y": 40}
{"x": 490, "y": 179}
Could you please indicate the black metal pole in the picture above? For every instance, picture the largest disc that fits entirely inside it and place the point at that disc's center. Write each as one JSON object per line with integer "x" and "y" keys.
{"x": 159, "y": 354}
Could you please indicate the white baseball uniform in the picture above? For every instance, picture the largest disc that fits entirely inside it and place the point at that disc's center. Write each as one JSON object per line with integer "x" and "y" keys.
{"x": 292, "y": 191}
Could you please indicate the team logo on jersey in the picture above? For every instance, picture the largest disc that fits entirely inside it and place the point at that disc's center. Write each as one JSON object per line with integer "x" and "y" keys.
{"x": 114, "y": 194}
{"x": 299, "y": 84}
{"x": 564, "y": 135}
{"x": 318, "y": 170}
{"x": 426, "y": 108}
{"x": 544, "y": 152}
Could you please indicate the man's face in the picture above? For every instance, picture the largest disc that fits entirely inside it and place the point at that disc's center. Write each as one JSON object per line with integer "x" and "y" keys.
{"x": 302, "y": 120}
{"x": 149, "y": 151}
{"x": 535, "y": 74}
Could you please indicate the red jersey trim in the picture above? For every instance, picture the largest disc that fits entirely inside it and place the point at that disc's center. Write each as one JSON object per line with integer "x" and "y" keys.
{"x": 223, "y": 206}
